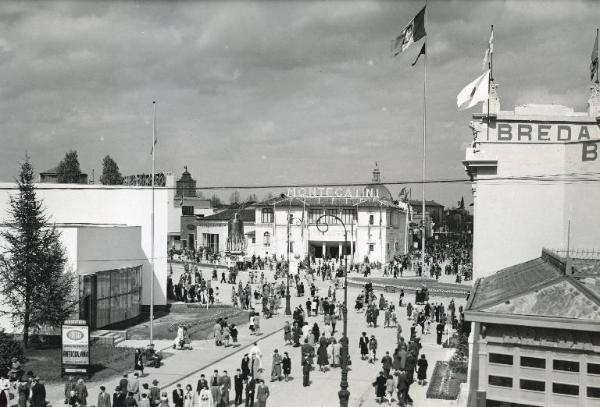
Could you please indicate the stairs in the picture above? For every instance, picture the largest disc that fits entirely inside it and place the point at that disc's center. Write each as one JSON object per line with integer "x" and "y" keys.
{"x": 108, "y": 337}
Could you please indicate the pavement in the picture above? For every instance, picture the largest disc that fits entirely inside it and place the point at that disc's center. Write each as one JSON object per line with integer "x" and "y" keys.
{"x": 186, "y": 366}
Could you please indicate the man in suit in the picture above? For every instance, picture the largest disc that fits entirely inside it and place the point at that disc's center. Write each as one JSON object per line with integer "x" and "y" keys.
{"x": 202, "y": 383}
{"x": 103, "y": 398}
{"x": 250, "y": 387}
{"x": 262, "y": 393}
{"x": 403, "y": 385}
{"x": 225, "y": 383}
{"x": 178, "y": 396}
{"x": 38, "y": 393}
{"x": 119, "y": 397}
{"x": 123, "y": 383}
{"x": 154, "y": 394}
{"x": 238, "y": 382}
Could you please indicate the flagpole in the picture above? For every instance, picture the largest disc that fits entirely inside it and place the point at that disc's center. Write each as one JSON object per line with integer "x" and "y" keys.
{"x": 152, "y": 227}
{"x": 597, "y": 60}
{"x": 490, "y": 79}
{"x": 424, "y": 155}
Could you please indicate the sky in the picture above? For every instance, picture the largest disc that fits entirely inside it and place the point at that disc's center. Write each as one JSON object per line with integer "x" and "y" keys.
{"x": 274, "y": 92}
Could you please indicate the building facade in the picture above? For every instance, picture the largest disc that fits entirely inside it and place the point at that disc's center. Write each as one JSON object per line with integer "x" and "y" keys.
{"x": 533, "y": 172}
{"x": 535, "y": 339}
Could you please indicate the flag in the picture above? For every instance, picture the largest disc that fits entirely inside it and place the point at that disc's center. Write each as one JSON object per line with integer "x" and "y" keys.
{"x": 594, "y": 64}
{"x": 475, "y": 92}
{"x": 155, "y": 141}
{"x": 413, "y": 32}
{"x": 422, "y": 52}
{"x": 154, "y": 128}
{"x": 489, "y": 51}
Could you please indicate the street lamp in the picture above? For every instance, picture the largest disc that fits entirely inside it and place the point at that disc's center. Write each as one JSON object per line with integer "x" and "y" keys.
{"x": 343, "y": 394}
{"x": 290, "y": 220}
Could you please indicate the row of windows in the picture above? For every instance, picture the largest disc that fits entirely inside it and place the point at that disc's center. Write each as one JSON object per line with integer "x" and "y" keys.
{"x": 540, "y": 363}
{"x": 348, "y": 216}
{"x": 536, "y": 385}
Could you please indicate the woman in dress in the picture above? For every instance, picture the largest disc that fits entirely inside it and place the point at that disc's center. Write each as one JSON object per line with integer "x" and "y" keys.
{"x": 205, "y": 398}
{"x": 322, "y": 357}
{"x": 188, "y": 396}
{"x": 287, "y": 332}
{"x": 422, "y": 370}
{"x": 316, "y": 333}
{"x": 286, "y": 363}
{"x": 138, "y": 362}
{"x": 276, "y": 369}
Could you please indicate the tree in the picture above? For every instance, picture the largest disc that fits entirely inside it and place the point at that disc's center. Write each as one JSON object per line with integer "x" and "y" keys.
{"x": 269, "y": 196}
{"x": 110, "y": 172}
{"x": 252, "y": 198}
{"x": 33, "y": 282}
{"x": 215, "y": 201}
{"x": 68, "y": 169}
{"x": 234, "y": 197}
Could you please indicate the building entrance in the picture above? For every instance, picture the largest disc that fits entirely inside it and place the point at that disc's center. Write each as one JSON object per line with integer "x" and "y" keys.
{"x": 328, "y": 250}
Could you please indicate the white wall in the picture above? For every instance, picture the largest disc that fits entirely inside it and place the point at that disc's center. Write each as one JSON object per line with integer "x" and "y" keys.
{"x": 111, "y": 205}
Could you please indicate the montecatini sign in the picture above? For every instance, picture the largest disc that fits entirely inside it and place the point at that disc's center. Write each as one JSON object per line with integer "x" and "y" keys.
{"x": 333, "y": 192}
{"x": 588, "y": 135}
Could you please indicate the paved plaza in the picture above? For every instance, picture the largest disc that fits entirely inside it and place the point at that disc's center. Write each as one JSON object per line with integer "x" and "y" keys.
{"x": 186, "y": 366}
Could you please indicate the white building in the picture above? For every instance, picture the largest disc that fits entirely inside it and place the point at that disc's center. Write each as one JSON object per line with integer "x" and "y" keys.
{"x": 107, "y": 229}
{"x": 534, "y": 173}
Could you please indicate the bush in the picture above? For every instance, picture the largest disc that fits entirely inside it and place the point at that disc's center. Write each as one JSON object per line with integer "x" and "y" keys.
{"x": 9, "y": 348}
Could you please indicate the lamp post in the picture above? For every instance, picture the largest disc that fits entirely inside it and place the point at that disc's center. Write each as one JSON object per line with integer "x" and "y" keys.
{"x": 343, "y": 394}
{"x": 290, "y": 220}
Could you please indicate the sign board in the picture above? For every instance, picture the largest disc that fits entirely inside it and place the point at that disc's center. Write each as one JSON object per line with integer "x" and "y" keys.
{"x": 75, "y": 354}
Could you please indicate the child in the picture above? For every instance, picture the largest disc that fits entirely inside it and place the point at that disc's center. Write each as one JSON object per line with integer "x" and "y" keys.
{"x": 226, "y": 334}
{"x": 389, "y": 389}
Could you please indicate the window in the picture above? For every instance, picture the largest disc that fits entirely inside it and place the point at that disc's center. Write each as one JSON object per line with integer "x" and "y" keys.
{"x": 371, "y": 247}
{"x": 349, "y": 216}
{"x": 313, "y": 215}
{"x": 500, "y": 381}
{"x": 593, "y": 392}
{"x": 501, "y": 358}
{"x": 532, "y": 385}
{"x": 267, "y": 215}
{"x": 593, "y": 368}
{"x": 187, "y": 210}
{"x": 538, "y": 363}
{"x": 330, "y": 216}
{"x": 371, "y": 219}
{"x": 267, "y": 239}
{"x": 562, "y": 388}
{"x": 565, "y": 365}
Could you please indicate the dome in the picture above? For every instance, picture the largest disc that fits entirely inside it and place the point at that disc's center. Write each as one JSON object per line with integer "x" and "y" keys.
{"x": 377, "y": 188}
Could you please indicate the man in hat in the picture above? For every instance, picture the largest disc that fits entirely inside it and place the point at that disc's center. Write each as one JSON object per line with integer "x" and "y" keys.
{"x": 154, "y": 394}
{"x": 250, "y": 388}
{"x": 38, "y": 393}
{"x": 238, "y": 382}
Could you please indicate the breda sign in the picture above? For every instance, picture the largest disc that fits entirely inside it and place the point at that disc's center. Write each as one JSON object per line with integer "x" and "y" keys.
{"x": 75, "y": 352}
{"x": 586, "y": 134}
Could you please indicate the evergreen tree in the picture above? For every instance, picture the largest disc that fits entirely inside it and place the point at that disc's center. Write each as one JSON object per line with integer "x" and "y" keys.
{"x": 110, "y": 172}
{"x": 34, "y": 285}
{"x": 252, "y": 198}
{"x": 68, "y": 169}
{"x": 234, "y": 198}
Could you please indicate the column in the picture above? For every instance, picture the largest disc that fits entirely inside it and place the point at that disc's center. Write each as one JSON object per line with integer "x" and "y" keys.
{"x": 340, "y": 253}
{"x": 324, "y": 250}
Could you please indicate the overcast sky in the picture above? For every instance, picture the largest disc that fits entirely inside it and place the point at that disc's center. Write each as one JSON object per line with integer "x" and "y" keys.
{"x": 273, "y": 92}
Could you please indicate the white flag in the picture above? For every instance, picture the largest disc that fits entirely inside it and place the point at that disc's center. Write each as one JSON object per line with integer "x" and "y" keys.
{"x": 475, "y": 92}
{"x": 489, "y": 51}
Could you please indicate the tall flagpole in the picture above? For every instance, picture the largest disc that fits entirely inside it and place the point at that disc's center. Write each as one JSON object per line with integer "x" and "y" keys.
{"x": 490, "y": 79}
{"x": 152, "y": 227}
{"x": 424, "y": 148}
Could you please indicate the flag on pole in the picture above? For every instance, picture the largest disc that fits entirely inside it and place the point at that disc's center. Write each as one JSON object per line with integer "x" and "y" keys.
{"x": 475, "y": 92}
{"x": 594, "y": 64}
{"x": 154, "y": 128}
{"x": 422, "y": 52}
{"x": 489, "y": 51}
{"x": 413, "y": 32}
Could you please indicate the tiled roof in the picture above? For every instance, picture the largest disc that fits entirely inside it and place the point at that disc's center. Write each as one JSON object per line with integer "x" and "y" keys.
{"x": 512, "y": 281}
{"x": 246, "y": 215}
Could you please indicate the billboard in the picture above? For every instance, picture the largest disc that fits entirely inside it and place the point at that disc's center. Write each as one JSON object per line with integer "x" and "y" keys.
{"x": 75, "y": 354}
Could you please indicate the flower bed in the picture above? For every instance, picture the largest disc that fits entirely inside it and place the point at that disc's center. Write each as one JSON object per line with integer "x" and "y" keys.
{"x": 445, "y": 382}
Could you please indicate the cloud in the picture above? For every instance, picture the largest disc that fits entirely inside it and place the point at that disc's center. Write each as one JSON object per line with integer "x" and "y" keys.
{"x": 246, "y": 90}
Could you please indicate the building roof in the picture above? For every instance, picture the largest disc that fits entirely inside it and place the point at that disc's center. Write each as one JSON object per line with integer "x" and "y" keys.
{"x": 246, "y": 215}
{"x": 538, "y": 288}
{"x": 53, "y": 171}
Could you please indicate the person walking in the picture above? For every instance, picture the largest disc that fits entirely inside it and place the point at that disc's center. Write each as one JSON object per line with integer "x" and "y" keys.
{"x": 118, "y": 398}
{"x": 363, "y": 344}
{"x": 250, "y": 389}
{"x": 81, "y": 392}
{"x": 402, "y": 386}
{"x": 286, "y": 363}
{"x": 422, "y": 370}
{"x": 262, "y": 393}
{"x": 379, "y": 385}
{"x": 103, "y": 398}
{"x": 38, "y": 393}
{"x": 276, "y": 368}
{"x": 215, "y": 388}
{"x": 154, "y": 394}
{"x": 386, "y": 363}
{"x": 225, "y": 383}
{"x": 138, "y": 362}
{"x": 238, "y": 386}
{"x": 306, "y": 367}
{"x": 178, "y": 396}
{"x": 188, "y": 396}
{"x": 372, "y": 349}
{"x": 287, "y": 333}
{"x": 322, "y": 357}
{"x": 205, "y": 398}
